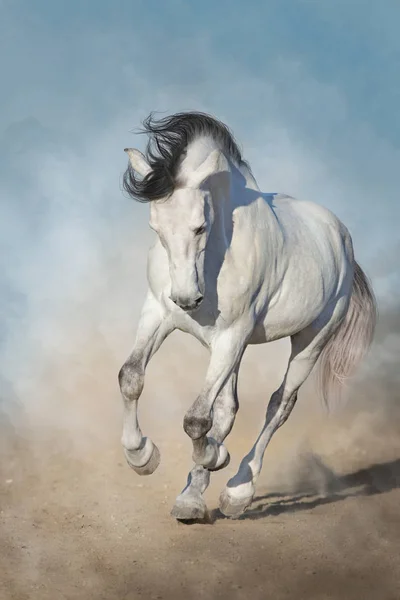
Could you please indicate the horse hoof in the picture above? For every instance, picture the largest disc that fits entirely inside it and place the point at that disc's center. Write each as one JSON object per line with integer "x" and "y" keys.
{"x": 150, "y": 466}
{"x": 233, "y": 507}
{"x": 189, "y": 508}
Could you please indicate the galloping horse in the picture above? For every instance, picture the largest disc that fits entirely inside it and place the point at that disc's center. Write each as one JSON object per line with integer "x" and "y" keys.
{"x": 234, "y": 266}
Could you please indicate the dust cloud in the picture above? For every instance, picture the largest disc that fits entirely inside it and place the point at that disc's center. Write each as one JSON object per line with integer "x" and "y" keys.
{"x": 75, "y": 522}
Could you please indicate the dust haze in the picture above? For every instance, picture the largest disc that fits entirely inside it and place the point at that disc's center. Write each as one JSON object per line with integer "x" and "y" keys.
{"x": 76, "y": 522}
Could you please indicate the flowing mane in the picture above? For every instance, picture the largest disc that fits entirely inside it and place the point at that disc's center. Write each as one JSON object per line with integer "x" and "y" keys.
{"x": 169, "y": 138}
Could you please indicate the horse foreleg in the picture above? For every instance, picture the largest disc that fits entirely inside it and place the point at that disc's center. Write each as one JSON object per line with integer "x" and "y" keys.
{"x": 190, "y": 503}
{"x": 140, "y": 452}
{"x": 226, "y": 353}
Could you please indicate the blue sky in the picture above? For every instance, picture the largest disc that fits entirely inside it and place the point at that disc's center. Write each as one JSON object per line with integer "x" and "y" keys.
{"x": 310, "y": 88}
{"x": 320, "y": 77}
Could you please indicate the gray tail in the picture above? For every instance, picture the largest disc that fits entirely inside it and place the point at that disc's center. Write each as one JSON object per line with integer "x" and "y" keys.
{"x": 350, "y": 343}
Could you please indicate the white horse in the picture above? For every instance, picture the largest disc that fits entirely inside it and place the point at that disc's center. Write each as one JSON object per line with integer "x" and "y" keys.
{"x": 234, "y": 266}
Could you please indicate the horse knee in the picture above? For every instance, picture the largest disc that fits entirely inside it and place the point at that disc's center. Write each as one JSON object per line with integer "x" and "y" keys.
{"x": 196, "y": 426}
{"x": 131, "y": 381}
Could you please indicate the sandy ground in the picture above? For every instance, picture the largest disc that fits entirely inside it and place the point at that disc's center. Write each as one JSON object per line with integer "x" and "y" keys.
{"x": 77, "y": 523}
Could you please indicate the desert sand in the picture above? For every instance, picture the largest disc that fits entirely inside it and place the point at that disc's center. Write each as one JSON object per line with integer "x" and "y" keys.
{"x": 77, "y": 523}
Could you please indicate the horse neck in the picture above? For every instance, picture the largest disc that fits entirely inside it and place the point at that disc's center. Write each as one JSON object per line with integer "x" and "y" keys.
{"x": 238, "y": 189}
{"x": 246, "y": 205}
{"x": 251, "y": 183}
{"x": 222, "y": 226}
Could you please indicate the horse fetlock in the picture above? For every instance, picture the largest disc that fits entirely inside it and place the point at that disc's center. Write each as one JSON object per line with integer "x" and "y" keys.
{"x": 133, "y": 442}
{"x": 223, "y": 459}
{"x": 145, "y": 459}
{"x": 209, "y": 454}
{"x": 205, "y": 452}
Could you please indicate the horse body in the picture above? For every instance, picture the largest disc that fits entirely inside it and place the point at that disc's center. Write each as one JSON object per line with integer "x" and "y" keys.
{"x": 262, "y": 269}
{"x": 233, "y": 266}
{"x": 318, "y": 268}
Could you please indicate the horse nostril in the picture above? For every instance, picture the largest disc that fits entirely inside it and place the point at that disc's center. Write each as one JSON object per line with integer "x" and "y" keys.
{"x": 186, "y": 305}
{"x": 198, "y": 300}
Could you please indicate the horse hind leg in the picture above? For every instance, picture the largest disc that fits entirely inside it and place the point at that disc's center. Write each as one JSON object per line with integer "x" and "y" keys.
{"x": 307, "y": 346}
{"x": 190, "y": 504}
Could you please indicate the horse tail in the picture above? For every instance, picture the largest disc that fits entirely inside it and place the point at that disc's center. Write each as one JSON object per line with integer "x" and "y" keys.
{"x": 351, "y": 341}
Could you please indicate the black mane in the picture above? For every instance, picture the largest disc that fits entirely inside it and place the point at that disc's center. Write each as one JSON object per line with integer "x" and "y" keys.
{"x": 169, "y": 138}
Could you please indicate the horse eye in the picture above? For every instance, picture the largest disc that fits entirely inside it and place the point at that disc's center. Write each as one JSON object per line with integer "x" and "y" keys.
{"x": 200, "y": 230}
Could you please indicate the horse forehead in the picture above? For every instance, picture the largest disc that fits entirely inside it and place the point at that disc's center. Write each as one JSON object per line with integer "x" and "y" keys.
{"x": 184, "y": 201}
{"x": 188, "y": 198}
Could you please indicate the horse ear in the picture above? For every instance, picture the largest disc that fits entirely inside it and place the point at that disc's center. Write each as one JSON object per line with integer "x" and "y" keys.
{"x": 216, "y": 162}
{"x": 138, "y": 161}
